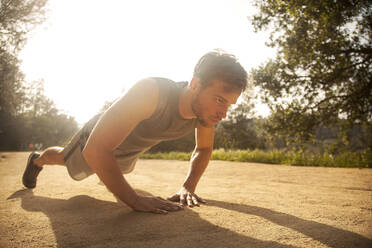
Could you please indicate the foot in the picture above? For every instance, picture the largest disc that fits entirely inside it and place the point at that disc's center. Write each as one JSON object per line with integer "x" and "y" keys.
{"x": 31, "y": 171}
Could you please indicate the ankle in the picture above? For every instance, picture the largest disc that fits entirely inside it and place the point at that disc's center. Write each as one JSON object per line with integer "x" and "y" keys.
{"x": 38, "y": 162}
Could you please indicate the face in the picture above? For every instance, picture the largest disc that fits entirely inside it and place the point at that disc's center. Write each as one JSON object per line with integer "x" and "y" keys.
{"x": 210, "y": 104}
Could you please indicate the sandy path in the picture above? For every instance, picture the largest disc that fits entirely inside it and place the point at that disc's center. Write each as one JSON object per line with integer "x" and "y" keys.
{"x": 249, "y": 205}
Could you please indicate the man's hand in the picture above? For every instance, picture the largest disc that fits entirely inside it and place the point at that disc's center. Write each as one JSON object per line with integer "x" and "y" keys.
{"x": 184, "y": 197}
{"x": 155, "y": 205}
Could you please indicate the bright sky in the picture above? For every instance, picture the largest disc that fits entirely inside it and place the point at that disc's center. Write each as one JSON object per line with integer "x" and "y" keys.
{"x": 90, "y": 51}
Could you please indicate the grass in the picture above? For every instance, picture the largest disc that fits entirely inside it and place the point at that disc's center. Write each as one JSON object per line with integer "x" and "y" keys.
{"x": 348, "y": 159}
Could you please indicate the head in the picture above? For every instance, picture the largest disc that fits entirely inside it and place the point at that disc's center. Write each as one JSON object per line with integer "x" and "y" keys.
{"x": 218, "y": 81}
{"x": 222, "y": 66}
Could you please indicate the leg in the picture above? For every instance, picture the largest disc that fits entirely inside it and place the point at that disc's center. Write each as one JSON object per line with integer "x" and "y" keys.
{"x": 36, "y": 161}
{"x": 50, "y": 156}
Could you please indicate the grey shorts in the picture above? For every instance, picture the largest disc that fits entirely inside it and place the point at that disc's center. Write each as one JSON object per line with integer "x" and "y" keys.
{"x": 76, "y": 165}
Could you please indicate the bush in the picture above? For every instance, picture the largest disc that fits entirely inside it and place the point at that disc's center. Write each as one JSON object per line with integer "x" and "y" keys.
{"x": 348, "y": 159}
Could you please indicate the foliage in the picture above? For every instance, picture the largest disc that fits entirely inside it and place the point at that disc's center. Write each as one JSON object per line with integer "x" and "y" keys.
{"x": 241, "y": 131}
{"x": 38, "y": 122}
{"x": 183, "y": 156}
{"x": 323, "y": 69}
{"x": 17, "y": 19}
{"x": 327, "y": 147}
{"x": 11, "y": 79}
{"x": 27, "y": 115}
{"x": 184, "y": 144}
{"x": 359, "y": 160}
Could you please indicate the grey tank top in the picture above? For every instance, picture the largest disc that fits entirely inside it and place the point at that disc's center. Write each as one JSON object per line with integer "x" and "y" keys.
{"x": 165, "y": 123}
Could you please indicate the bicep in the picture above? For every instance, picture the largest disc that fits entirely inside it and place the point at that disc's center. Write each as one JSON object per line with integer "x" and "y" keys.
{"x": 124, "y": 115}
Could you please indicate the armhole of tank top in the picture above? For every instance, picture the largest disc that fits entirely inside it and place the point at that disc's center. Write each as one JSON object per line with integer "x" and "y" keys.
{"x": 163, "y": 95}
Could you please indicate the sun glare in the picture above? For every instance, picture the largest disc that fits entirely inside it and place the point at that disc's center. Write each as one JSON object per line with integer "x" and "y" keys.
{"x": 89, "y": 52}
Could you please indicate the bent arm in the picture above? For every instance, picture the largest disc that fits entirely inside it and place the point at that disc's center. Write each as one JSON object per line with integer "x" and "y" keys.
{"x": 112, "y": 129}
{"x": 200, "y": 156}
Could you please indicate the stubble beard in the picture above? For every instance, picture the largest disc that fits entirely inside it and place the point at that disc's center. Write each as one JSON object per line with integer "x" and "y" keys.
{"x": 197, "y": 109}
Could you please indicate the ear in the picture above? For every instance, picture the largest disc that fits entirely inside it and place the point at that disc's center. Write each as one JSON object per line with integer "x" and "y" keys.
{"x": 195, "y": 84}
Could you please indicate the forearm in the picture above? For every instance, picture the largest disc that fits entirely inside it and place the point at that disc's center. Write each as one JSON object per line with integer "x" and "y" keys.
{"x": 105, "y": 166}
{"x": 199, "y": 162}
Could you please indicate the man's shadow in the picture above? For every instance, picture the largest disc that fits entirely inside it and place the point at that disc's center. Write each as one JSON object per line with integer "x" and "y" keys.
{"x": 83, "y": 221}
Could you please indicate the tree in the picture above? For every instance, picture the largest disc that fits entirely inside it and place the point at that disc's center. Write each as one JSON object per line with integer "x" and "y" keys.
{"x": 11, "y": 79}
{"x": 240, "y": 130}
{"x": 39, "y": 122}
{"x": 323, "y": 70}
{"x": 26, "y": 114}
{"x": 43, "y": 122}
{"x": 17, "y": 19}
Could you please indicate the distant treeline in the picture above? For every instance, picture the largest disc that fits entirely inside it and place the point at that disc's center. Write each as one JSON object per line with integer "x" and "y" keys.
{"x": 35, "y": 124}
{"x": 28, "y": 119}
{"x": 254, "y": 133}
{"x": 318, "y": 87}
{"x": 29, "y": 132}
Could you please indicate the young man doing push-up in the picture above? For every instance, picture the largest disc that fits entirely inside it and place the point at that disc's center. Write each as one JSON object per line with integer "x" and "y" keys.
{"x": 153, "y": 110}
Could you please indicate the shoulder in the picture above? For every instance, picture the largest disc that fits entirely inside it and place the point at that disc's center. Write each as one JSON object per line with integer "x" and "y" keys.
{"x": 168, "y": 83}
{"x": 161, "y": 80}
{"x": 165, "y": 87}
{"x": 140, "y": 100}
{"x": 162, "y": 83}
{"x": 158, "y": 83}
{"x": 144, "y": 90}
{"x": 149, "y": 83}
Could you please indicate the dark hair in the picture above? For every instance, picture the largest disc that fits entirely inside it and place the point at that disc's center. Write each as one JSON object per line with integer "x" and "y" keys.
{"x": 221, "y": 65}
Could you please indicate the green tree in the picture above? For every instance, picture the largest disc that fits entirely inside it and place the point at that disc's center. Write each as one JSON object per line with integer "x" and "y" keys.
{"x": 40, "y": 122}
{"x": 240, "y": 130}
{"x": 11, "y": 80}
{"x": 17, "y": 19}
{"x": 323, "y": 69}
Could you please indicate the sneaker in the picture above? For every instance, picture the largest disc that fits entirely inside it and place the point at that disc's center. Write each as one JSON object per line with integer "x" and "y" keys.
{"x": 31, "y": 171}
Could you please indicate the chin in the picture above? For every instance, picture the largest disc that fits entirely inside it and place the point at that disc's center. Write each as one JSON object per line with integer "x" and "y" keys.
{"x": 207, "y": 123}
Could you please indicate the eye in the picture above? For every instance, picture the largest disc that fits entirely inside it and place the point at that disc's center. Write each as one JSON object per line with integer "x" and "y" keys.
{"x": 219, "y": 100}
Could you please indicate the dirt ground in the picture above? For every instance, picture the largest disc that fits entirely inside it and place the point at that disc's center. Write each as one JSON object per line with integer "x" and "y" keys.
{"x": 249, "y": 205}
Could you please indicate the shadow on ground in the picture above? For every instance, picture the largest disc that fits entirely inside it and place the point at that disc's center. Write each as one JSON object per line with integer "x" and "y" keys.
{"x": 83, "y": 221}
{"x": 328, "y": 235}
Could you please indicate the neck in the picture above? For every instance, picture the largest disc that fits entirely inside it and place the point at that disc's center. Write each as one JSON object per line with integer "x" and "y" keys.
{"x": 184, "y": 104}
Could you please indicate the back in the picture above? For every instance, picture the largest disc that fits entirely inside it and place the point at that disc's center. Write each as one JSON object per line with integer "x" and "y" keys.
{"x": 164, "y": 124}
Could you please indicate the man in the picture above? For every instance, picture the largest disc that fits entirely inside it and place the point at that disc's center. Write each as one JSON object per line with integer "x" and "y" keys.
{"x": 153, "y": 110}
